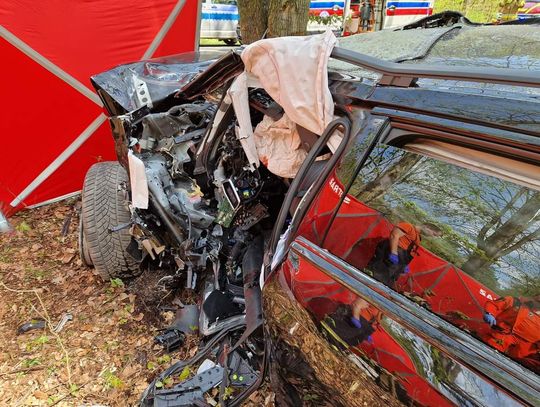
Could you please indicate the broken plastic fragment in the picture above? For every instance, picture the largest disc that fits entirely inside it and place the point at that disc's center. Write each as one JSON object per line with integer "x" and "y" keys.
{"x": 138, "y": 182}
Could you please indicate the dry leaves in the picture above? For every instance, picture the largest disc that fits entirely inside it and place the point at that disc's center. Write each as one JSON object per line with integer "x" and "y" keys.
{"x": 109, "y": 342}
{"x": 101, "y": 342}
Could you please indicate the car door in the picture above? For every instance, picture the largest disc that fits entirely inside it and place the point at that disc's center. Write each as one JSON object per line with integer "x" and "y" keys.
{"x": 347, "y": 325}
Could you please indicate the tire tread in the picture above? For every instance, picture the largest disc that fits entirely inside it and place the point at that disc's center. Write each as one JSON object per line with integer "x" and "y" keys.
{"x": 104, "y": 207}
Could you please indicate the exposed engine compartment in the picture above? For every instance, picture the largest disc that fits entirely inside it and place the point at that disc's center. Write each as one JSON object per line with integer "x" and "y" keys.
{"x": 208, "y": 216}
{"x": 210, "y": 166}
{"x": 208, "y": 219}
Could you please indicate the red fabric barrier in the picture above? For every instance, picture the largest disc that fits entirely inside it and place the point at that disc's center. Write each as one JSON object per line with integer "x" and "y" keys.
{"x": 52, "y": 124}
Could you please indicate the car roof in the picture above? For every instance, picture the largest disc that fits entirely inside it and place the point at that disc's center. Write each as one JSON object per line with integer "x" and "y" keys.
{"x": 515, "y": 47}
{"x": 496, "y": 46}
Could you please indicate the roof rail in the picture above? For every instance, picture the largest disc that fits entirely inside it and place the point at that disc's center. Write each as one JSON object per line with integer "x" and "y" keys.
{"x": 404, "y": 75}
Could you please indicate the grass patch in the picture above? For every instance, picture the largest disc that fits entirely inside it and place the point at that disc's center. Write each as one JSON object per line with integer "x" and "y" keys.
{"x": 210, "y": 42}
{"x": 479, "y": 11}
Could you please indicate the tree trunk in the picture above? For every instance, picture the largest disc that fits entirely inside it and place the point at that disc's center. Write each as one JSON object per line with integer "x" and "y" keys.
{"x": 510, "y": 236}
{"x": 475, "y": 265}
{"x": 253, "y": 19}
{"x": 287, "y": 17}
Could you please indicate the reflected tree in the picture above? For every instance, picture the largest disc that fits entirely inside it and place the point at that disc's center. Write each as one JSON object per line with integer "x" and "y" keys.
{"x": 491, "y": 225}
{"x": 514, "y": 226}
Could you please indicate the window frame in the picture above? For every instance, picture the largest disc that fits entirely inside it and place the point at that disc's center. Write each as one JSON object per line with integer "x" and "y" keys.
{"x": 399, "y": 135}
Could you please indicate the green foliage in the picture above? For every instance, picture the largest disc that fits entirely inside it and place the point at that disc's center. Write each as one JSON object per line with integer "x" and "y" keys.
{"x": 51, "y": 400}
{"x": 23, "y": 227}
{"x": 116, "y": 283}
{"x": 112, "y": 381}
{"x": 37, "y": 343}
{"x": 480, "y": 11}
{"x": 28, "y": 363}
{"x": 163, "y": 359}
{"x": 167, "y": 382}
{"x": 332, "y": 19}
{"x": 186, "y": 371}
{"x": 227, "y": 394}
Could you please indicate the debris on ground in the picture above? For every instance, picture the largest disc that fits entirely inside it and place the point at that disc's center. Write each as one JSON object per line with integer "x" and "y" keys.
{"x": 70, "y": 338}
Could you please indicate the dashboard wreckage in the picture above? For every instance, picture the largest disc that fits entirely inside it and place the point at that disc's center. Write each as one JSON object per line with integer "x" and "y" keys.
{"x": 197, "y": 202}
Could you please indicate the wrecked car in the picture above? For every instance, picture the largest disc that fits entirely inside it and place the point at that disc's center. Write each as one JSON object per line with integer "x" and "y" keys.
{"x": 363, "y": 237}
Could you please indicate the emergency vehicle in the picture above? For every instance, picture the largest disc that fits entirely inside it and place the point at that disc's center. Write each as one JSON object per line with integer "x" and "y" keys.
{"x": 219, "y": 20}
{"x": 397, "y": 13}
{"x": 530, "y": 9}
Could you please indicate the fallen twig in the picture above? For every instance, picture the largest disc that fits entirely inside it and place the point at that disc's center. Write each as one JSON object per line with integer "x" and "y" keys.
{"x": 25, "y": 370}
{"x": 49, "y": 324}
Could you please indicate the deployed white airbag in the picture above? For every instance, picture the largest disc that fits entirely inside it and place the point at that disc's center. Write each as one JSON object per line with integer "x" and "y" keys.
{"x": 279, "y": 146}
{"x": 293, "y": 71}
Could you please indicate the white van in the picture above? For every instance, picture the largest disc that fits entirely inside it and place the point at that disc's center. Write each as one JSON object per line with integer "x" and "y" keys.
{"x": 401, "y": 12}
{"x": 219, "y": 20}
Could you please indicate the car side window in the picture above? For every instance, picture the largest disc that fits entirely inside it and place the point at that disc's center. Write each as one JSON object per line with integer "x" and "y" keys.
{"x": 462, "y": 240}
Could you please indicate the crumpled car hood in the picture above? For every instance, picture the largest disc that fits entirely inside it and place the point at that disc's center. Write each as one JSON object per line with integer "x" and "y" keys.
{"x": 125, "y": 87}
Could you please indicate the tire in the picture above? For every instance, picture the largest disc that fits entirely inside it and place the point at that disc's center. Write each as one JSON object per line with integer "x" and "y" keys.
{"x": 230, "y": 41}
{"x": 104, "y": 207}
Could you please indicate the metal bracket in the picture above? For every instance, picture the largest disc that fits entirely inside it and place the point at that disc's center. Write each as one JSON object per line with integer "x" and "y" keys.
{"x": 141, "y": 90}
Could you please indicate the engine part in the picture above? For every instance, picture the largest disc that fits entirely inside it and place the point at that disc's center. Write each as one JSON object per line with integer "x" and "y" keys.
{"x": 190, "y": 391}
{"x": 219, "y": 305}
{"x": 225, "y": 213}
{"x": 206, "y": 327}
{"x": 187, "y": 319}
{"x": 171, "y": 339}
{"x": 178, "y": 198}
{"x": 231, "y": 193}
{"x": 178, "y": 120}
{"x": 242, "y": 188}
{"x": 247, "y": 218}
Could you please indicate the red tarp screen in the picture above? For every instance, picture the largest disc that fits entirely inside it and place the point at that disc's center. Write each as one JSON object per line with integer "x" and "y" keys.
{"x": 53, "y": 127}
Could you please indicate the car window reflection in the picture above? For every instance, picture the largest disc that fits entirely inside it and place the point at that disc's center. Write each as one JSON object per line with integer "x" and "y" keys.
{"x": 463, "y": 244}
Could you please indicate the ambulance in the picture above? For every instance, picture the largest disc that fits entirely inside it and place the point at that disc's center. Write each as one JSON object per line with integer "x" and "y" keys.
{"x": 397, "y": 13}
{"x": 219, "y": 20}
{"x": 530, "y": 9}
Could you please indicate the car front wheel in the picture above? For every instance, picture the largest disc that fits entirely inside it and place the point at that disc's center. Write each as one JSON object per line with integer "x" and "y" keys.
{"x": 104, "y": 207}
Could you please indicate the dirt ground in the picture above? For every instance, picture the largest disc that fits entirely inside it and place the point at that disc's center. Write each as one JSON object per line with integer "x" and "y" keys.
{"x": 105, "y": 355}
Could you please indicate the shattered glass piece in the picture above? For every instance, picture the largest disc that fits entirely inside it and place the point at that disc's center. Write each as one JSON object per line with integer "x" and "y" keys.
{"x": 406, "y": 45}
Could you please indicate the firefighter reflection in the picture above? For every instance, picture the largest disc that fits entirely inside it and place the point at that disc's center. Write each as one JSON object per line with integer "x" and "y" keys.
{"x": 350, "y": 325}
{"x": 364, "y": 313}
{"x": 393, "y": 255}
{"x": 515, "y": 328}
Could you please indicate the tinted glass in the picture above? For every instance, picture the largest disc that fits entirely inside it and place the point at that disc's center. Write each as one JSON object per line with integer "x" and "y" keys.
{"x": 463, "y": 244}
